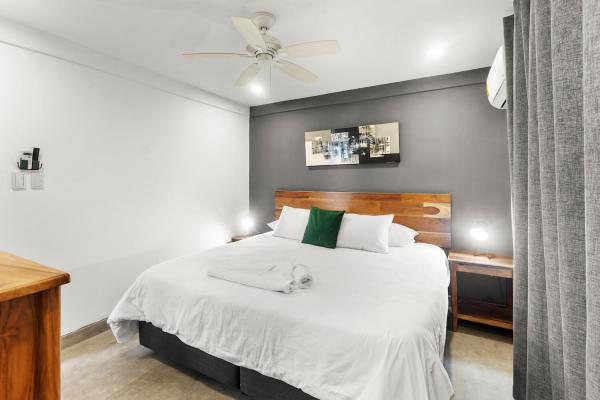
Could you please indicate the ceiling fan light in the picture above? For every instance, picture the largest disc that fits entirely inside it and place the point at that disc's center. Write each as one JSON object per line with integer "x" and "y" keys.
{"x": 256, "y": 88}
{"x": 249, "y": 74}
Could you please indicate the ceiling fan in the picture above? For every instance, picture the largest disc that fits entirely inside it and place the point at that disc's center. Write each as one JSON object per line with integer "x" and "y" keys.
{"x": 267, "y": 51}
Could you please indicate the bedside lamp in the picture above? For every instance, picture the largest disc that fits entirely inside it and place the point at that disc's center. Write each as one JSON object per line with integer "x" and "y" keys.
{"x": 479, "y": 234}
{"x": 247, "y": 224}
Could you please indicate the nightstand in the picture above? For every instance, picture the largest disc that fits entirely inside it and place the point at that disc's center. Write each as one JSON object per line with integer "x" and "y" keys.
{"x": 499, "y": 315}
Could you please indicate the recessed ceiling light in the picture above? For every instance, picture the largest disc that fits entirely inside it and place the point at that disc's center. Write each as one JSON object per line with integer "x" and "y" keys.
{"x": 256, "y": 89}
{"x": 435, "y": 52}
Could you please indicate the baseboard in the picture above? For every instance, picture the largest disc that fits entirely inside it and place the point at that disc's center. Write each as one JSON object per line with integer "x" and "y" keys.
{"x": 84, "y": 333}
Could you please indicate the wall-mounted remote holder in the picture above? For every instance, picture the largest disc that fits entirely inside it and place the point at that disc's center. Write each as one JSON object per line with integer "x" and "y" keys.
{"x": 29, "y": 160}
{"x": 29, "y": 168}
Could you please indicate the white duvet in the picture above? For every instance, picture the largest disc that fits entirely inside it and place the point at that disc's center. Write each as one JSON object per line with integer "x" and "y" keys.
{"x": 372, "y": 326}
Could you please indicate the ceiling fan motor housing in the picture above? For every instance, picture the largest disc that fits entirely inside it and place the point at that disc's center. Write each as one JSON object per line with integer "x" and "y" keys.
{"x": 272, "y": 42}
{"x": 264, "y": 21}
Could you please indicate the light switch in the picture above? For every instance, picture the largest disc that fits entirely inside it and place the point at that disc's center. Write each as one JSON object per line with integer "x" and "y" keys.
{"x": 37, "y": 180}
{"x": 18, "y": 181}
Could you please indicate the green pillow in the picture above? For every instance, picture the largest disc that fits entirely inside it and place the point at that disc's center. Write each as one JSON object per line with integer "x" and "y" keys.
{"x": 323, "y": 227}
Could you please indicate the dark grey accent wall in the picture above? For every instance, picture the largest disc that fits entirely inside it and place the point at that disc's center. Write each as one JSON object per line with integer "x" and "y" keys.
{"x": 451, "y": 140}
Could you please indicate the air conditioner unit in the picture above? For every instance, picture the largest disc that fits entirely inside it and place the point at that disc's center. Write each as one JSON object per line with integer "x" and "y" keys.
{"x": 495, "y": 85}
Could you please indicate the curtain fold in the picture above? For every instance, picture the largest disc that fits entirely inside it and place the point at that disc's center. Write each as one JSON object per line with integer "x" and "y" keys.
{"x": 591, "y": 143}
{"x": 552, "y": 53}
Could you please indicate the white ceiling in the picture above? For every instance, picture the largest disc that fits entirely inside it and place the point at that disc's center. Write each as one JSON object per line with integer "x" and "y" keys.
{"x": 382, "y": 41}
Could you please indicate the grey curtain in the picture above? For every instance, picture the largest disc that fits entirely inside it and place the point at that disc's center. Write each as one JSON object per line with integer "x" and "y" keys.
{"x": 553, "y": 81}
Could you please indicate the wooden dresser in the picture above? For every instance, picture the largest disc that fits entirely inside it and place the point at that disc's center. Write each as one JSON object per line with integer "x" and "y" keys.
{"x": 29, "y": 329}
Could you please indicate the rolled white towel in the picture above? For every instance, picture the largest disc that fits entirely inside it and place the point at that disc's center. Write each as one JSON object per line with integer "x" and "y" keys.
{"x": 302, "y": 276}
{"x": 283, "y": 277}
{"x": 272, "y": 277}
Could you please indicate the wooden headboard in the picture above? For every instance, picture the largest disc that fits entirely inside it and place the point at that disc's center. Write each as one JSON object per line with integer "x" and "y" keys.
{"x": 428, "y": 213}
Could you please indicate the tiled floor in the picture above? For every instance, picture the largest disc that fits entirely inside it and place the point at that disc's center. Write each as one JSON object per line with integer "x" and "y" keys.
{"x": 478, "y": 360}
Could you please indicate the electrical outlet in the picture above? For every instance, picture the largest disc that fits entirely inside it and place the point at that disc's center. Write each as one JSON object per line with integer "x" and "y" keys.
{"x": 18, "y": 181}
{"x": 37, "y": 180}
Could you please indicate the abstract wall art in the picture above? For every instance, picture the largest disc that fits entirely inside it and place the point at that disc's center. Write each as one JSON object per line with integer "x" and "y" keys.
{"x": 365, "y": 144}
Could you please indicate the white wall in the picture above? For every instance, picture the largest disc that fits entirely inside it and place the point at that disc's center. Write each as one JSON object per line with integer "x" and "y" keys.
{"x": 138, "y": 168}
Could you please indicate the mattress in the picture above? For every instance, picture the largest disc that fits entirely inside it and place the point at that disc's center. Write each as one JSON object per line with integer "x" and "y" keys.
{"x": 371, "y": 327}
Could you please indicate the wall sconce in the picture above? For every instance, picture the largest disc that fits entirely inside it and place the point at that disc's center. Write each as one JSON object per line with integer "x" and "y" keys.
{"x": 479, "y": 233}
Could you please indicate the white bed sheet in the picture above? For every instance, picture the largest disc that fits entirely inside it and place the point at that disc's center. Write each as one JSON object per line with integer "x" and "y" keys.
{"x": 372, "y": 327}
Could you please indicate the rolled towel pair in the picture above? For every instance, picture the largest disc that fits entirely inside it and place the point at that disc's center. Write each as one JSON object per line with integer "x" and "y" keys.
{"x": 284, "y": 277}
{"x": 302, "y": 276}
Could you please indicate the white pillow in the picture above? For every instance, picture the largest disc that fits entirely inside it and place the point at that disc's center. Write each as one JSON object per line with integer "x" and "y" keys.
{"x": 292, "y": 223}
{"x": 401, "y": 235}
{"x": 273, "y": 224}
{"x": 365, "y": 232}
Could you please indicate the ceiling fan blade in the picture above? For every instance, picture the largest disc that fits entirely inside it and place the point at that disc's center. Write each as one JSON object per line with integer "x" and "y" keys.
{"x": 309, "y": 49}
{"x": 248, "y": 74}
{"x": 296, "y": 71}
{"x": 250, "y": 32}
{"x": 215, "y": 55}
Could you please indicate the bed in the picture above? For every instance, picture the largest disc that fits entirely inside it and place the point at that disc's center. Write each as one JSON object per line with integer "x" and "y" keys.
{"x": 372, "y": 326}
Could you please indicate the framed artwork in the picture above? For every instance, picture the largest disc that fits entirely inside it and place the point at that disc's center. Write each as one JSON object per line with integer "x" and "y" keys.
{"x": 365, "y": 144}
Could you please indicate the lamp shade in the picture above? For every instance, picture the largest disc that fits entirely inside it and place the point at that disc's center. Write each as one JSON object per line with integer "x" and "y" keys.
{"x": 479, "y": 233}
{"x": 247, "y": 223}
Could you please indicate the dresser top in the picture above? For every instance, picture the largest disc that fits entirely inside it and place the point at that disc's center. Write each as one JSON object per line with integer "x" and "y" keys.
{"x": 20, "y": 277}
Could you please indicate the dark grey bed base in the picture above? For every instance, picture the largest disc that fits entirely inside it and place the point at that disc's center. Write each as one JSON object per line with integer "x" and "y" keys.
{"x": 251, "y": 383}
{"x": 173, "y": 349}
